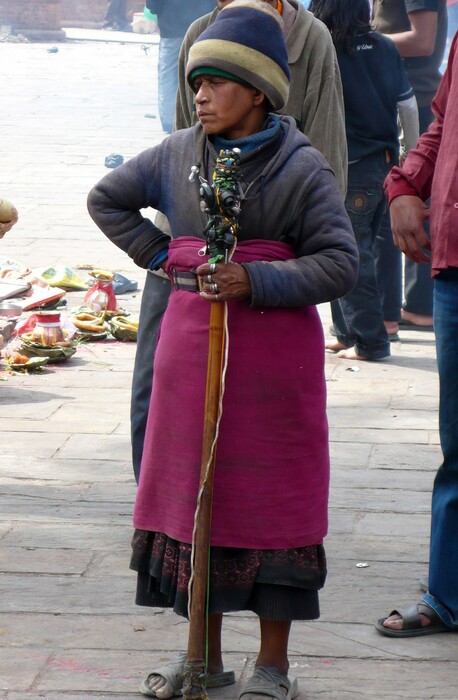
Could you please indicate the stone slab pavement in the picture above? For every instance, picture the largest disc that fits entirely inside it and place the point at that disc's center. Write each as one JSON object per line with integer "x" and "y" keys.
{"x": 68, "y": 625}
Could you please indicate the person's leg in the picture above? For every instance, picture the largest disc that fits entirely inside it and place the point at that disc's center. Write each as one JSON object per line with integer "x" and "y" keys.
{"x": 388, "y": 272}
{"x": 418, "y": 285}
{"x": 121, "y": 16}
{"x": 417, "y": 307}
{"x": 362, "y": 308}
{"x": 110, "y": 14}
{"x": 442, "y": 596}
{"x": 169, "y": 49}
{"x": 154, "y": 302}
{"x": 342, "y": 335}
{"x": 443, "y": 563}
{"x": 274, "y": 645}
{"x": 270, "y": 677}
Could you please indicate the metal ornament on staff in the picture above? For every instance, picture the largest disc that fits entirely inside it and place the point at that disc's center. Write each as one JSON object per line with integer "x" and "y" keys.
{"x": 221, "y": 202}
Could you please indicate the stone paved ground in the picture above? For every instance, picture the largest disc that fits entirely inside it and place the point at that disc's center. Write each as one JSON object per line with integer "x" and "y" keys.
{"x": 68, "y": 626}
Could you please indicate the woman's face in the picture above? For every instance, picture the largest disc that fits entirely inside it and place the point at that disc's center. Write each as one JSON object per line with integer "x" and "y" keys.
{"x": 227, "y": 108}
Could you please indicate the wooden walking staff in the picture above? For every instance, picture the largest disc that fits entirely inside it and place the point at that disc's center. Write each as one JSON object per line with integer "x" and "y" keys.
{"x": 221, "y": 202}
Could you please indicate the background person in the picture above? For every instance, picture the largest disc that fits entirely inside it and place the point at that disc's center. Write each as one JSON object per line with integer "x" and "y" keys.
{"x": 173, "y": 20}
{"x": 375, "y": 89}
{"x": 430, "y": 172}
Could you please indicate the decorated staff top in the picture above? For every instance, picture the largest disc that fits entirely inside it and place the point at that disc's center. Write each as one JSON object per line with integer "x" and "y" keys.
{"x": 221, "y": 201}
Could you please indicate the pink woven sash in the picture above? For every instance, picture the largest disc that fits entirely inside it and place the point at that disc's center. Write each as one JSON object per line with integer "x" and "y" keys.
{"x": 272, "y": 465}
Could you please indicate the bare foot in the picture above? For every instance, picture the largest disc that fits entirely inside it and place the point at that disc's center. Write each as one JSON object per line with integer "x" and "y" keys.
{"x": 392, "y": 327}
{"x": 394, "y": 622}
{"x": 335, "y": 346}
{"x": 417, "y": 319}
{"x": 350, "y": 354}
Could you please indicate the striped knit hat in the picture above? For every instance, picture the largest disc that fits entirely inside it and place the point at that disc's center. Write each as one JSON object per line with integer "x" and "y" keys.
{"x": 244, "y": 43}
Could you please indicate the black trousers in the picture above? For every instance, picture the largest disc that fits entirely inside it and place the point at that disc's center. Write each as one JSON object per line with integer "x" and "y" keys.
{"x": 116, "y": 12}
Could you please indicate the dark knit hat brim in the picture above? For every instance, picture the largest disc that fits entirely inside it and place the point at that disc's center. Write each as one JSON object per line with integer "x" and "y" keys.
{"x": 247, "y": 42}
{"x": 211, "y": 70}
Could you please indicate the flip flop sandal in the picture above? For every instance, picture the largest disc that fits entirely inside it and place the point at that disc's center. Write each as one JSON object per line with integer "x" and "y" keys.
{"x": 122, "y": 284}
{"x": 412, "y": 626}
{"x": 269, "y": 683}
{"x": 173, "y": 675}
{"x": 411, "y": 326}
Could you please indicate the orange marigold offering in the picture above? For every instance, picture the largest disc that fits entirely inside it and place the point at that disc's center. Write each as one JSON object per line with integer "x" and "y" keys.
{"x": 17, "y": 359}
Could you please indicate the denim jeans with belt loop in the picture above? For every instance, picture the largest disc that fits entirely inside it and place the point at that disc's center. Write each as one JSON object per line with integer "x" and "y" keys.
{"x": 443, "y": 563}
{"x": 358, "y": 316}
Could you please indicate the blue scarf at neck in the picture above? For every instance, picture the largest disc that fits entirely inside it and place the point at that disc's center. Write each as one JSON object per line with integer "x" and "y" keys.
{"x": 249, "y": 143}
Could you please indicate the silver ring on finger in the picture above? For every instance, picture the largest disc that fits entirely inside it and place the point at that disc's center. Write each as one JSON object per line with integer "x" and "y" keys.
{"x": 209, "y": 279}
{"x": 214, "y": 288}
{"x": 212, "y": 268}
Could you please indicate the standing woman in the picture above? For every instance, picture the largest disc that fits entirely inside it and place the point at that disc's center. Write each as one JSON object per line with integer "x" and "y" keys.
{"x": 376, "y": 89}
{"x": 295, "y": 249}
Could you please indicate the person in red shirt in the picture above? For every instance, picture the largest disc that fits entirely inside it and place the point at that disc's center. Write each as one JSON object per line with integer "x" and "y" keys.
{"x": 430, "y": 172}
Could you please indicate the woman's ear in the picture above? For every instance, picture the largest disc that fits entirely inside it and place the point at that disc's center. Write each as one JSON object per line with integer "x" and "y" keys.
{"x": 259, "y": 97}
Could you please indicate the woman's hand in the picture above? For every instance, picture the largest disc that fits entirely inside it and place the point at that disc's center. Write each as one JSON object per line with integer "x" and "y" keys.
{"x": 223, "y": 282}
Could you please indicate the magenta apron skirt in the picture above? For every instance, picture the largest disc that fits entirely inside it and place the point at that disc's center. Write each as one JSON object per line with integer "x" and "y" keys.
{"x": 272, "y": 466}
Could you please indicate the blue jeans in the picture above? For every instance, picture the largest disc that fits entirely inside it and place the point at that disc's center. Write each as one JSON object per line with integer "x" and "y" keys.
{"x": 169, "y": 49}
{"x": 388, "y": 270}
{"x": 358, "y": 316}
{"x": 443, "y": 561}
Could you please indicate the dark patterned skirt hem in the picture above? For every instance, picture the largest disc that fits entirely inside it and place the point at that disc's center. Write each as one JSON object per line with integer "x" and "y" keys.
{"x": 274, "y": 584}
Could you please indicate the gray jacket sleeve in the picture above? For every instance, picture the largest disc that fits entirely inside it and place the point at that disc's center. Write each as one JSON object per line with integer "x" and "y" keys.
{"x": 327, "y": 260}
{"x": 115, "y": 202}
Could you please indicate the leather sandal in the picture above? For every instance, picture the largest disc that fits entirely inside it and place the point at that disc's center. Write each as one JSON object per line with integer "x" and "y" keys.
{"x": 268, "y": 682}
{"x": 412, "y": 623}
{"x": 173, "y": 674}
